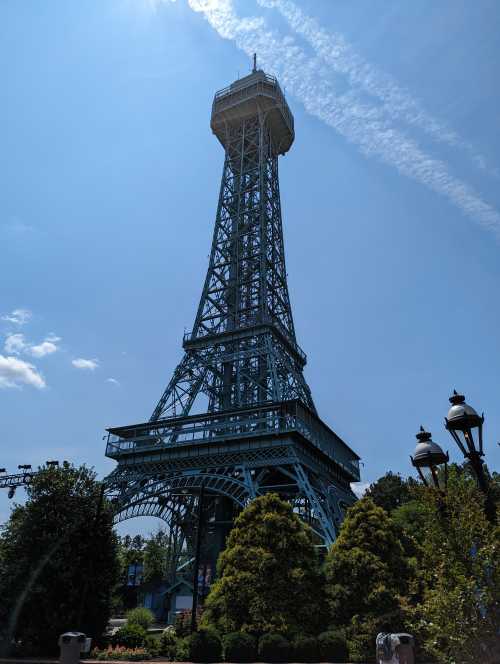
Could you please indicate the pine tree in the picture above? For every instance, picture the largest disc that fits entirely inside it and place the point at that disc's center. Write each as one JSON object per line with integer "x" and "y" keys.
{"x": 391, "y": 491}
{"x": 155, "y": 558}
{"x": 366, "y": 572}
{"x": 268, "y": 576}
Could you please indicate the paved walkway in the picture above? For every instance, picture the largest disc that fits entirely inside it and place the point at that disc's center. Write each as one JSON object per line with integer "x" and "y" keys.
{"x": 52, "y": 660}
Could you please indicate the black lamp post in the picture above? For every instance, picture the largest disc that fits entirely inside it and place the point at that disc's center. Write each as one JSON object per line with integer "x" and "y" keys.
{"x": 430, "y": 455}
{"x": 466, "y": 429}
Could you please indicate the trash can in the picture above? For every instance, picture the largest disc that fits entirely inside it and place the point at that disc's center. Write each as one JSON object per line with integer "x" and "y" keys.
{"x": 395, "y": 648}
{"x": 71, "y": 645}
{"x": 406, "y": 648}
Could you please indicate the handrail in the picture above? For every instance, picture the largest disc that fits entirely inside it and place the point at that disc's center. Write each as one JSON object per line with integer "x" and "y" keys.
{"x": 247, "y": 81}
{"x": 266, "y": 320}
{"x": 260, "y": 84}
{"x": 230, "y": 425}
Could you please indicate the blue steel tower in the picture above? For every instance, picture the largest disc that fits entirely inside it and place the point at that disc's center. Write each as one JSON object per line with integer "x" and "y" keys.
{"x": 237, "y": 416}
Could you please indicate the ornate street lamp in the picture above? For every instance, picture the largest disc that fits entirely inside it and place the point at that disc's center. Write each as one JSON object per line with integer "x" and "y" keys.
{"x": 466, "y": 429}
{"x": 462, "y": 422}
{"x": 430, "y": 455}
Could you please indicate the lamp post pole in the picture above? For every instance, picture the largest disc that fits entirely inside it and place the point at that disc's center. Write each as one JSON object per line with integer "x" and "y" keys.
{"x": 197, "y": 558}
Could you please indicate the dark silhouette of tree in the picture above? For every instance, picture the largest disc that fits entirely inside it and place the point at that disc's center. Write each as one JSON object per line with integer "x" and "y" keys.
{"x": 391, "y": 491}
{"x": 58, "y": 560}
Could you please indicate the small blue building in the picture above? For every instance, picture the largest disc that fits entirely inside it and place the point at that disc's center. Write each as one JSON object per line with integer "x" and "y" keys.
{"x": 165, "y": 600}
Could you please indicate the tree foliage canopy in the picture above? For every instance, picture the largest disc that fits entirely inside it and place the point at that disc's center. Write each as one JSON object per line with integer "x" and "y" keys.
{"x": 366, "y": 573}
{"x": 391, "y": 491}
{"x": 155, "y": 557}
{"x": 58, "y": 560}
{"x": 459, "y": 614}
{"x": 268, "y": 575}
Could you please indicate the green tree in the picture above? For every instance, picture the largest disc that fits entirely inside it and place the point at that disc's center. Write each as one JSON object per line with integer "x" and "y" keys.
{"x": 58, "y": 560}
{"x": 155, "y": 557}
{"x": 366, "y": 573}
{"x": 268, "y": 575}
{"x": 391, "y": 491}
{"x": 459, "y": 614}
{"x": 130, "y": 553}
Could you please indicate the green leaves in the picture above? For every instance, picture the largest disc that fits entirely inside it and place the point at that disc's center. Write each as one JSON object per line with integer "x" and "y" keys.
{"x": 366, "y": 573}
{"x": 458, "y": 615}
{"x": 57, "y": 560}
{"x": 268, "y": 575}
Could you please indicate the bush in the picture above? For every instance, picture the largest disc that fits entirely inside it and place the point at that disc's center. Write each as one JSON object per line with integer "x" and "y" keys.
{"x": 168, "y": 643}
{"x": 182, "y": 650}
{"x": 140, "y": 616}
{"x": 332, "y": 647}
{"x": 305, "y": 649}
{"x": 120, "y": 654}
{"x": 152, "y": 645}
{"x": 239, "y": 647}
{"x": 204, "y": 646}
{"x": 273, "y": 648}
{"x": 130, "y": 636}
{"x": 183, "y": 621}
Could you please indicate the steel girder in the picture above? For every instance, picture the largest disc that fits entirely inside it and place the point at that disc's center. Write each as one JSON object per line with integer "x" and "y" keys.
{"x": 242, "y": 356}
{"x": 164, "y": 489}
{"x": 242, "y": 350}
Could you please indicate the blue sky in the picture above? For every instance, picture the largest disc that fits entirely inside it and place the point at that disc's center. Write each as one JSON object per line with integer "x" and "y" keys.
{"x": 110, "y": 180}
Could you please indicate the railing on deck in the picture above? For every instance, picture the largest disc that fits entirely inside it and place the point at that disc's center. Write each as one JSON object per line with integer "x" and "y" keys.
{"x": 249, "y": 86}
{"x": 283, "y": 418}
{"x": 250, "y": 322}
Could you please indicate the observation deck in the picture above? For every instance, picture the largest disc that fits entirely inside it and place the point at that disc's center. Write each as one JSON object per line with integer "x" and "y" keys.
{"x": 258, "y": 427}
{"x": 257, "y": 93}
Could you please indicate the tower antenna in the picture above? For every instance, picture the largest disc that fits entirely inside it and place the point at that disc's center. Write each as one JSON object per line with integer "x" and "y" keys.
{"x": 254, "y": 62}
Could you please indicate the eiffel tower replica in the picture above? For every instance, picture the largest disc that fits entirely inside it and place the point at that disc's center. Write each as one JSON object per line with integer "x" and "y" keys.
{"x": 237, "y": 417}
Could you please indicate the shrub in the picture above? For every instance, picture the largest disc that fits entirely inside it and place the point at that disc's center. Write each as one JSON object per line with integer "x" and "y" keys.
{"x": 140, "y": 616}
{"x": 183, "y": 621}
{"x": 182, "y": 650}
{"x": 130, "y": 636}
{"x": 305, "y": 649}
{"x": 152, "y": 645}
{"x": 204, "y": 646}
{"x": 120, "y": 654}
{"x": 239, "y": 647}
{"x": 273, "y": 648}
{"x": 332, "y": 647}
{"x": 168, "y": 643}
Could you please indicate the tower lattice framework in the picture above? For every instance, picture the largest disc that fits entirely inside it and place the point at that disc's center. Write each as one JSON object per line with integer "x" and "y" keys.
{"x": 237, "y": 416}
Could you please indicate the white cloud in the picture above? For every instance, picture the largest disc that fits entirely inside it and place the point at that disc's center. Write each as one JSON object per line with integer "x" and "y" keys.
{"x": 47, "y": 347}
{"x": 343, "y": 59}
{"x": 16, "y": 373}
{"x": 15, "y": 344}
{"x": 18, "y": 316}
{"x": 89, "y": 365}
{"x": 369, "y": 126}
{"x": 360, "y": 488}
{"x": 113, "y": 381}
